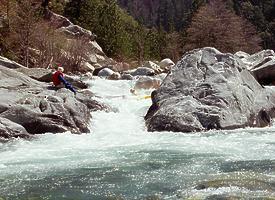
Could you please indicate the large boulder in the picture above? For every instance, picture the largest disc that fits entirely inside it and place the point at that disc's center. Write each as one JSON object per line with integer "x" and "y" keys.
{"x": 65, "y": 25}
{"x": 32, "y": 107}
{"x": 94, "y": 53}
{"x": 210, "y": 90}
{"x": 105, "y": 73}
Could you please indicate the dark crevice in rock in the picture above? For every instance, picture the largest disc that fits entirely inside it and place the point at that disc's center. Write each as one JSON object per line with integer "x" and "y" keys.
{"x": 43, "y": 105}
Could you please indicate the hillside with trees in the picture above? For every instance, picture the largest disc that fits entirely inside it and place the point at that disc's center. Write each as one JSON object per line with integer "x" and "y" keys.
{"x": 218, "y": 26}
{"x": 137, "y": 30}
{"x": 177, "y": 14}
{"x": 169, "y": 14}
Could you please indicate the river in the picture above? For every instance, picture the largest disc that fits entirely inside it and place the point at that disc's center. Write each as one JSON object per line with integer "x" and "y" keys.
{"x": 119, "y": 159}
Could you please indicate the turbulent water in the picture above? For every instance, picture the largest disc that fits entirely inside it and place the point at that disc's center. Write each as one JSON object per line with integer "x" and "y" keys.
{"x": 119, "y": 159}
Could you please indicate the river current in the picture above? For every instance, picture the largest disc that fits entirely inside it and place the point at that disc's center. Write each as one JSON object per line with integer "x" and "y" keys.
{"x": 119, "y": 159}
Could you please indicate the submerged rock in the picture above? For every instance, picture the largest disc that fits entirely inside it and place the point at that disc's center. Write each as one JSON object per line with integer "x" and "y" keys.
{"x": 250, "y": 181}
{"x": 210, "y": 90}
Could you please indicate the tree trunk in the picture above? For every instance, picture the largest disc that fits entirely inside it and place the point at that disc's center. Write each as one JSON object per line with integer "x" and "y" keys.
{"x": 8, "y": 13}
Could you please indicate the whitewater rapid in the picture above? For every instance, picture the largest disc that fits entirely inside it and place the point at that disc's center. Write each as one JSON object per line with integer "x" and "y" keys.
{"x": 120, "y": 159}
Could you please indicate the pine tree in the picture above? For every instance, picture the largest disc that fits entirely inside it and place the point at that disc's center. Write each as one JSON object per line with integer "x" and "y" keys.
{"x": 22, "y": 26}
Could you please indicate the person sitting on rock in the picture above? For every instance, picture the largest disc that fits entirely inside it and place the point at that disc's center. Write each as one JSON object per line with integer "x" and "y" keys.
{"x": 60, "y": 82}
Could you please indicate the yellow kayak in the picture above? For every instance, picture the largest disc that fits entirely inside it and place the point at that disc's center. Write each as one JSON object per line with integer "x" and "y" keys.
{"x": 146, "y": 97}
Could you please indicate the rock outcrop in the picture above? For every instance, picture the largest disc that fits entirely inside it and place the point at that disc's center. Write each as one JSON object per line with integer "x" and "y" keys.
{"x": 210, "y": 90}
{"x": 9, "y": 63}
{"x": 30, "y": 107}
{"x": 73, "y": 33}
{"x": 262, "y": 65}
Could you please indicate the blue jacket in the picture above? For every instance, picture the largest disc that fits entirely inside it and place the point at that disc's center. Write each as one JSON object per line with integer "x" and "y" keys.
{"x": 67, "y": 84}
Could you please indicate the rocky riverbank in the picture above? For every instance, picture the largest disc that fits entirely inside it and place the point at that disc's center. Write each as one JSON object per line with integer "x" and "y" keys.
{"x": 29, "y": 107}
{"x": 206, "y": 90}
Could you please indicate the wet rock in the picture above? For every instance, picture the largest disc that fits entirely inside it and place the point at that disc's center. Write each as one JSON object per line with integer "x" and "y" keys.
{"x": 59, "y": 113}
{"x": 86, "y": 97}
{"x": 115, "y": 76}
{"x": 127, "y": 77}
{"x": 76, "y": 82}
{"x": 233, "y": 197}
{"x": 143, "y": 71}
{"x": 210, "y": 90}
{"x": 9, "y": 129}
{"x": 105, "y": 73}
{"x": 252, "y": 182}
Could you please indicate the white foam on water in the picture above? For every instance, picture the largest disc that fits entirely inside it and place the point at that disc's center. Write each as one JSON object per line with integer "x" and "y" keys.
{"x": 116, "y": 137}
